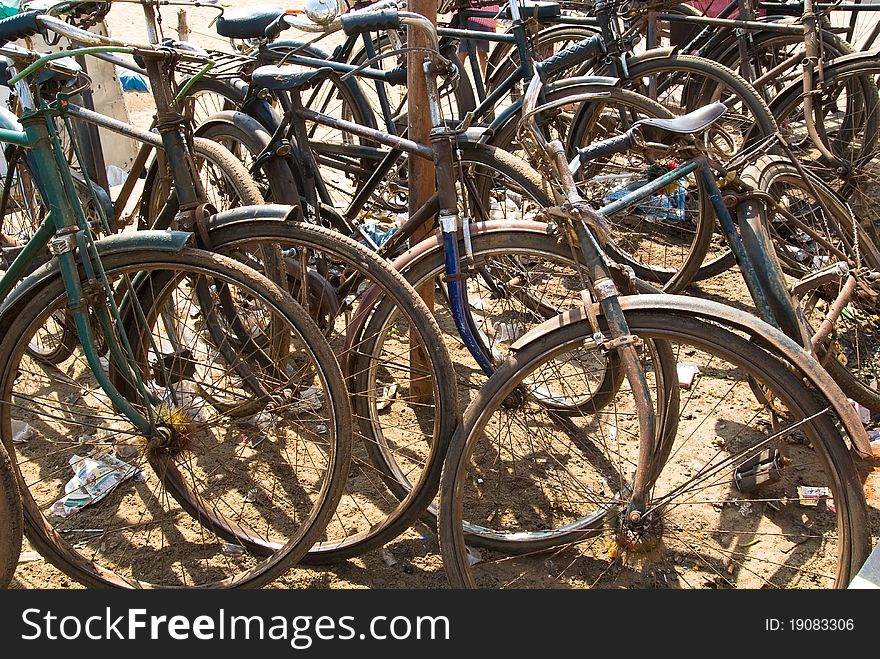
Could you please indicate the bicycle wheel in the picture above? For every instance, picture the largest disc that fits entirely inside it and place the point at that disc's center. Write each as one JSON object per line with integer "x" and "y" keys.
{"x": 226, "y": 182}
{"x": 11, "y": 522}
{"x": 515, "y": 471}
{"x": 405, "y": 410}
{"x": 847, "y": 106}
{"x": 807, "y": 239}
{"x": 245, "y": 138}
{"x": 666, "y": 238}
{"x": 684, "y": 83}
{"x": 253, "y": 459}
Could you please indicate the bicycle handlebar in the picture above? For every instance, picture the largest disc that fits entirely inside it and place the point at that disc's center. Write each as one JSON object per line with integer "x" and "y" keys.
{"x": 382, "y": 15}
{"x": 19, "y": 26}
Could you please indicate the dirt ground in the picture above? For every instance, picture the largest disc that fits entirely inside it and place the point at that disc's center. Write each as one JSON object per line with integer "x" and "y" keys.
{"x": 413, "y": 560}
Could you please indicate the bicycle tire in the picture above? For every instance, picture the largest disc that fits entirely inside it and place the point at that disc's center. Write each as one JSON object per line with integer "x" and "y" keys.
{"x": 818, "y": 241}
{"x": 237, "y": 186}
{"x": 11, "y": 520}
{"x": 144, "y": 532}
{"x": 383, "y": 496}
{"x": 656, "y": 556}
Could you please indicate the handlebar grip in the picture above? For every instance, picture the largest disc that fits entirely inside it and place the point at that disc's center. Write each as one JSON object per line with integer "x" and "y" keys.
{"x": 19, "y": 26}
{"x": 607, "y": 147}
{"x": 370, "y": 21}
{"x": 276, "y": 27}
{"x": 578, "y": 53}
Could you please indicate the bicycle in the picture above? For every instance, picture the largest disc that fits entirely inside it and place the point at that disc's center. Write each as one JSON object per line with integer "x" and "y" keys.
{"x": 631, "y": 487}
{"x": 356, "y": 158}
{"x": 197, "y": 347}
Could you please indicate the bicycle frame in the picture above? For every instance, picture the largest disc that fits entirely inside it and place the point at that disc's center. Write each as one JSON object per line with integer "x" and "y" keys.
{"x": 443, "y": 203}
{"x": 65, "y": 232}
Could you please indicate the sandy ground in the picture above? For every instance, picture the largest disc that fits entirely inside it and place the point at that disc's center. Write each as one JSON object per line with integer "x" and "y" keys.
{"x": 412, "y": 561}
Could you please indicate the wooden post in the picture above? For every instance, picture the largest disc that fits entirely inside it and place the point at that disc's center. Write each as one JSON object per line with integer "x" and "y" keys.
{"x": 182, "y": 28}
{"x": 420, "y": 175}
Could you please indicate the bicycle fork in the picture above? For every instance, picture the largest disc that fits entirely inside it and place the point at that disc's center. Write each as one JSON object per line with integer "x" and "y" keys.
{"x": 443, "y": 142}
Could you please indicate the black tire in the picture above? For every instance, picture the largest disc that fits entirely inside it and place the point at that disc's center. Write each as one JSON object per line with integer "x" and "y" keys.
{"x": 396, "y": 464}
{"x": 11, "y": 520}
{"x": 700, "y": 545}
{"x": 818, "y": 240}
{"x": 235, "y": 492}
{"x": 245, "y": 138}
{"x": 227, "y": 182}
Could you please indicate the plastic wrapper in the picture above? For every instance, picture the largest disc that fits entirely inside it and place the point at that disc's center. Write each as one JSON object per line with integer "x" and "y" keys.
{"x": 93, "y": 479}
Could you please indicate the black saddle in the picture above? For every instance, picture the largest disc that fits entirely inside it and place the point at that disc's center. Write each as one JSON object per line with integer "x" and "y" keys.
{"x": 285, "y": 78}
{"x": 249, "y": 23}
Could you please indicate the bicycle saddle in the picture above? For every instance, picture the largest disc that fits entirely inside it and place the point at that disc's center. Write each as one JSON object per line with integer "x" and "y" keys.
{"x": 540, "y": 10}
{"x": 247, "y": 23}
{"x": 285, "y": 78}
{"x": 690, "y": 124}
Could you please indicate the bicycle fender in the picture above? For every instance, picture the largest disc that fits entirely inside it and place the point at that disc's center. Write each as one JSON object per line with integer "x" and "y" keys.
{"x": 654, "y": 53}
{"x": 246, "y": 213}
{"x": 163, "y": 241}
{"x": 515, "y": 108}
{"x": 736, "y": 320}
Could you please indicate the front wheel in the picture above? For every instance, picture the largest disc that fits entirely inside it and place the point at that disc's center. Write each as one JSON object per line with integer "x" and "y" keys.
{"x": 255, "y": 441}
{"x": 516, "y": 471}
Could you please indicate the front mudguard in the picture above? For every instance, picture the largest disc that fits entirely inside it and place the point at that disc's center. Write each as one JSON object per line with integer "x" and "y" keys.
{"x": 129, "y": 241}
{"x": 739, "y": 321}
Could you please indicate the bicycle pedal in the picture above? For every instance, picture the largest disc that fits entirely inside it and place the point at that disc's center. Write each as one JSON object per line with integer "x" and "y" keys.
{"x": 759, "y": 470}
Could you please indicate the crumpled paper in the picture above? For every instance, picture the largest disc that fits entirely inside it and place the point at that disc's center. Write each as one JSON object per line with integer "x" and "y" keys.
{"x": 93, "y": 479}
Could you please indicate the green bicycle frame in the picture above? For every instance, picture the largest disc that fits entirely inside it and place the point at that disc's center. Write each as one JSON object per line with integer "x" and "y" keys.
{"x": 65, "y": 232}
